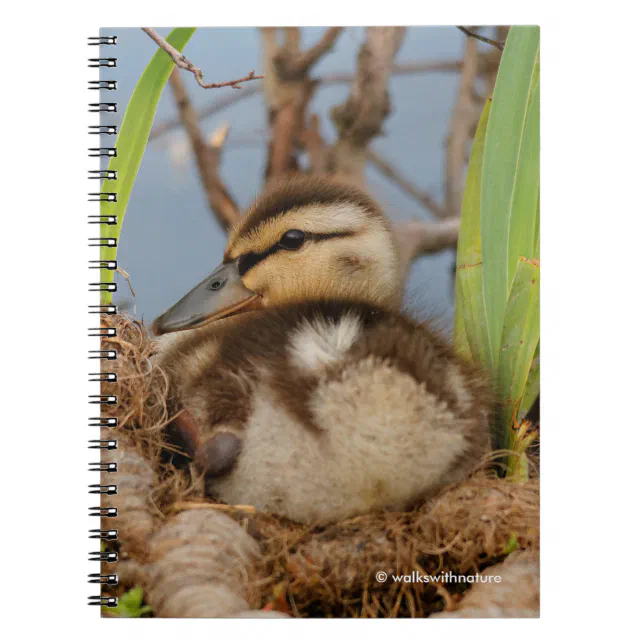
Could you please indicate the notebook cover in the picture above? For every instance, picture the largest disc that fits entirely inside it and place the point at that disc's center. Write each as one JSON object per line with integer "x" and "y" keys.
{"x": 316, "y": 284}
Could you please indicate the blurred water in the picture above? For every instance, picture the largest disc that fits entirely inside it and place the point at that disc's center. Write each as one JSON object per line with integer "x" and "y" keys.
{"x": 170, "y": 239}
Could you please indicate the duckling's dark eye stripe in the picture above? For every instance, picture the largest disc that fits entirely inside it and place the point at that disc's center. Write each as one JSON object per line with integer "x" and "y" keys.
{"x": 322, "y": 236}
{"x": 247, "y": 261}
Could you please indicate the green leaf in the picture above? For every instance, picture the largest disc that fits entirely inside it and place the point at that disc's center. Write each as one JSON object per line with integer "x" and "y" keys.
{"x": 469, "y": 300}
{"x": 519, "y": 341}
{"x": 511, "y": 545}
{"x": 532, "y": 386}
{"x": 469, "y": 290}
{"x": 130, "y": 604}
{"x": 536, "y": 252}
{"x": 459, "y": 334}
{"x": 469, "y": 310}
{"x": 132, "y": 139}
{"x": 509, "y": 181}
{"x": 469, "y": 238}
{"x": 525, "y": 205}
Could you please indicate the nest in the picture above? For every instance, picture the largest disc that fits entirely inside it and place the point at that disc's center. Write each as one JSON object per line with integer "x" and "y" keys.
{"x": 196, "y": 558}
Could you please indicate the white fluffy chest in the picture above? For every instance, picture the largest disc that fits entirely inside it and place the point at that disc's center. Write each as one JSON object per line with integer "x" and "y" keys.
{"x": 383, "y": 442}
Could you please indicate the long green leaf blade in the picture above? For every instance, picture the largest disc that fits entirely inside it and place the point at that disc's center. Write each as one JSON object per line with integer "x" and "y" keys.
{"x": 132, "y": 139}
{"x": 536, "y": 253}
{"x": 459, "y": 333}
{"x": 519, "y": 340}
{"x": 516, "y": 82}
{"x": 532, "y": 386}
{"x": 525, "y": 200}
{"x": 469, "y": 290}
{"x": 469, "y": 310}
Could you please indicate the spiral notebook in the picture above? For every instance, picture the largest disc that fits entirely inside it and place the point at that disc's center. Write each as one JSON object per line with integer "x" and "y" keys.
{"x": 315, "y": 297}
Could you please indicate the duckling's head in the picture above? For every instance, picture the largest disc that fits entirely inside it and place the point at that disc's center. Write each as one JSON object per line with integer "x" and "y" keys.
{"x": 304, "y": 239}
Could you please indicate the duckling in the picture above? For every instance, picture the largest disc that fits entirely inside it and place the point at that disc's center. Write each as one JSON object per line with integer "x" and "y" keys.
{"x": 310, "y": 395}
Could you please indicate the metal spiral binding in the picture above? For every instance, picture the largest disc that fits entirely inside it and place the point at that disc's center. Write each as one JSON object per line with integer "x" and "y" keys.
{"x": 105, "y": 220}
{"x": 101, "y": 444}
{"x": 109, "y": 580}
{"x": 106, "y": 556}
{"x": 102, "y": 152}
{"x": 102, "y": 40}
{"x": 106, "y": 535}
{"x": 103, "y": 241}
{"x": 102, "y": 62}
{"x": 109, "y": 85}
{"x": 108, "y": 309}
{"x": 103, "y": 107}
{"x": 99, "y": 600}
{"x": 110, "y": 175}
{"x": 104, "y": 467}
{"x": 103, "y": 129}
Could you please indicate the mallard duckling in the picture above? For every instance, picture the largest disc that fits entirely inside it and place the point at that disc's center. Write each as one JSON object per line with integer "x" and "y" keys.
{"x": 321, "y": 401}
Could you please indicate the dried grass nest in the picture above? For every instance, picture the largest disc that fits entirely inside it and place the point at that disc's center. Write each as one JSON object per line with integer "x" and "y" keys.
{"x": 194, "y": 557}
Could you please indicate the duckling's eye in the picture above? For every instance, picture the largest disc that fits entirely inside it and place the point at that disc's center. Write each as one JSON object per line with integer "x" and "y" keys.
{"x": 292, "y": 239}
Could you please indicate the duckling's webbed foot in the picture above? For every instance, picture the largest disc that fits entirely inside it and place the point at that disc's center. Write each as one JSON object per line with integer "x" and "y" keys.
{"x": 214, "y": 455}
{"x": 218, "y": 454}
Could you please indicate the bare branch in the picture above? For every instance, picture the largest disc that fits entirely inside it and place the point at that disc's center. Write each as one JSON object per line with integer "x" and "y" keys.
{"x": 220, "y": 104}
{"x": 465, "y": 115}
{"x": 317, "y": 150}
{"x": 286, "y": 125}
{"x": 401, "y": 69}
{"x": 360, "y": 118}
{"x": 221, "y": 202}
{"x": 413, "y": 191}
{"x": 292, "y": 39}
{"x": 416, "y": 238}
{"x": 280, "y": 101}
{"x": 421, "y": 67}
{"x": 488, "y": 41}
{"x": 183, "y": 63}
{"x": 292, "y": 64}
{"x": 270, "y": 50}
{"x": 287, "y": 98}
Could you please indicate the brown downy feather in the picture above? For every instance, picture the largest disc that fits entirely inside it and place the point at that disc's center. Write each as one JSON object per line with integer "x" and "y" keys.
{"x": 254, "y": 351}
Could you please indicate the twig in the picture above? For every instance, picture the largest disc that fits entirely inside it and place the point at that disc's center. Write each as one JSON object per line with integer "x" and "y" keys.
{"x": 221, "y": 202}
{"x": 126, "y": 276}
{"x": 204, "y": 505}
{"x": 316, "y": 149}
{"x": 360, "y": 117}
{"x": 403, "y": 69}
{"x": 183, "y": 63}
{"x": 391, "y": 173}
{"x": 489, "y": 41}
{"x": 288, "y": 90}
{"x": 416, "y": 238}
{"x": 279, "y": 98}
{"x": 284, "y": 127}
{"x": 292, "y": 64}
